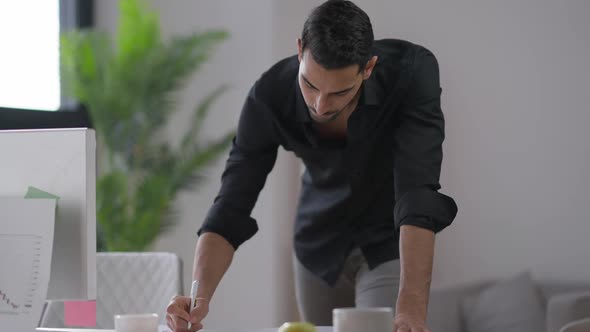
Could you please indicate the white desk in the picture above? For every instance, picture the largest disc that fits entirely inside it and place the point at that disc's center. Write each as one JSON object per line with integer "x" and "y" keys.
{"x": 165, "y": 329}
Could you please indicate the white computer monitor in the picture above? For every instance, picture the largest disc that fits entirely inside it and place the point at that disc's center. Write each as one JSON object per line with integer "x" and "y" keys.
{"x": 61, "y": 162}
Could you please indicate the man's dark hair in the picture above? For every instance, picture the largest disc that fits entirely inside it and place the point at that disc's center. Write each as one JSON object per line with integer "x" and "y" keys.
{"x": 338, "y": 34}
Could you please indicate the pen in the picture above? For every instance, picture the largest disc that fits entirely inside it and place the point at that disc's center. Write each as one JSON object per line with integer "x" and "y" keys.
{"x": 194, "y": 288}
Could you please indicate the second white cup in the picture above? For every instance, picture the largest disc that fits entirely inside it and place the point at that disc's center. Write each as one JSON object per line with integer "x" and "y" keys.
{"x": 136, "y": 323}
{"x": 362, "y": 319}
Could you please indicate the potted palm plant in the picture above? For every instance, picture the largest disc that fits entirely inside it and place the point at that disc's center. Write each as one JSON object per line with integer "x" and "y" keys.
{"x": 129, "y": 86}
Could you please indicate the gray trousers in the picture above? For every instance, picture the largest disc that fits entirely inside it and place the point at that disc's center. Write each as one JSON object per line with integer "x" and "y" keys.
{"x": 357, "y": 287}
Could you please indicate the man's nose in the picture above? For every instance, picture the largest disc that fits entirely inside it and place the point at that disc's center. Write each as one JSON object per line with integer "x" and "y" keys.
{"x": 321, "y": 106}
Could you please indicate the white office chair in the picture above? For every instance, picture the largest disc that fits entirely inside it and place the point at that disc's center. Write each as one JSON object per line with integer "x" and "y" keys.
{"x": 582, "y": 325}
{"x": 128, "y": 283}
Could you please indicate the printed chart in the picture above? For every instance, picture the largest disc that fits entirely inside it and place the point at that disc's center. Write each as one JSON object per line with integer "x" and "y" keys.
{"x": 20, "y": 256}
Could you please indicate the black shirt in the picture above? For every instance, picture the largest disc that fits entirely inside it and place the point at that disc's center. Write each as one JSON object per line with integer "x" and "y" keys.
{"x": 355, "y": 194}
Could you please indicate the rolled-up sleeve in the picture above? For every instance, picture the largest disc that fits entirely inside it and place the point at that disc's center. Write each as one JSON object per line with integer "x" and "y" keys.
{"x": 418, "y": 152}
{"x": 252, "y": 157}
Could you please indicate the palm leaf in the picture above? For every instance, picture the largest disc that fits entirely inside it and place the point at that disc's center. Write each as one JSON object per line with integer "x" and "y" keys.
{"x": 198, "y": 159}
{"x": 199, "y": 115}
{"x": 139, "y": 31}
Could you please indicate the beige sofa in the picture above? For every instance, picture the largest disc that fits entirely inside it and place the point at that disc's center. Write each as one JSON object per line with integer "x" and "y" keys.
{"x": 518, "y": 304}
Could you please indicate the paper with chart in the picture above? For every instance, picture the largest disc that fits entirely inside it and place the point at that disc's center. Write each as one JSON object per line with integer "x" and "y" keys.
{"x": 26, "y": 243}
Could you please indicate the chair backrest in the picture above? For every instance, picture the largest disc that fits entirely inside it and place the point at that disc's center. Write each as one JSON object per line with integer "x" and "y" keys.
{"x": 128, "y": 283}
{"x": 582, "y": 325}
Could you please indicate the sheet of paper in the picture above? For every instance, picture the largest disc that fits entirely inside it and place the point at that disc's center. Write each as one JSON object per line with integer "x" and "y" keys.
{"x": 163, "y": 328}
{"x": 26, "y": 243}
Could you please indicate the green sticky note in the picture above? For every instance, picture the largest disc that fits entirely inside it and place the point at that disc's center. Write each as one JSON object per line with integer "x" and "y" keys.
{"x": 33, "y": 192}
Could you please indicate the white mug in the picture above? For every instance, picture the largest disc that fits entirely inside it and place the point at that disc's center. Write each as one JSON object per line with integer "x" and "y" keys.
{"x": 362, "y": 319}
{"x": 136, "y": 323}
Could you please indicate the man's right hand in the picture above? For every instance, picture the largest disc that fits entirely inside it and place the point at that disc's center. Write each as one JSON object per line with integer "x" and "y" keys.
{"x": 177, "y": 314}
{"x": 213, "y": 256}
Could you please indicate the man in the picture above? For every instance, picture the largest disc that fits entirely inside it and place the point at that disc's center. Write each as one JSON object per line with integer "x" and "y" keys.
{"x": 365, "y": 118}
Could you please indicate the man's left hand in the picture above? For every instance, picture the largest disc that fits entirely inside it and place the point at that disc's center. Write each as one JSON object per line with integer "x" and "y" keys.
{"x": 408, "y": 323}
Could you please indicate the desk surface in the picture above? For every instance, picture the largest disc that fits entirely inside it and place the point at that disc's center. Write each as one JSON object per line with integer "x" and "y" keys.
{"x": 165, "y": 329}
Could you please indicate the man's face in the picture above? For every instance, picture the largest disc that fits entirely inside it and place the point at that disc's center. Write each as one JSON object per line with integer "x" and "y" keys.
{"x": 329, "y": 93}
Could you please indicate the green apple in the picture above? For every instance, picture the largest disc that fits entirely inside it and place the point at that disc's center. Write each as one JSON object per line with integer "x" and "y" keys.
{"x": 297, "y": 327}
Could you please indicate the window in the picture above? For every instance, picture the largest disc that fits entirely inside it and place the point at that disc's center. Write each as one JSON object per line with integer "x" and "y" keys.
{"x": 29, "y": 60}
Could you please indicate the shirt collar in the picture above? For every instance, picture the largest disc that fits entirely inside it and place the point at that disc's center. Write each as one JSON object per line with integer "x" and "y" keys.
{"x": 372, "y": 91}
{"x": 369, "y": 93}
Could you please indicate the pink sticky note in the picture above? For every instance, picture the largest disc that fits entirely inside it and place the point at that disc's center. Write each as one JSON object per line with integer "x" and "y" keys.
{"x": 80, "y": 313}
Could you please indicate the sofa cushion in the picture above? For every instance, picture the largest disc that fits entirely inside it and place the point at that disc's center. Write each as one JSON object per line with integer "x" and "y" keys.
{"x": 565, "y": 308}
{"x": 512, "y": 305}
{"x": 444, "y": 306}
{"x": 550, "y": 288}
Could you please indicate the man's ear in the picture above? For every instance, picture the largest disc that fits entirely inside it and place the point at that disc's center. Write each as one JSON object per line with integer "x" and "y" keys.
{"x": 299, "y": 49}
{"x": 369, "y": 67}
